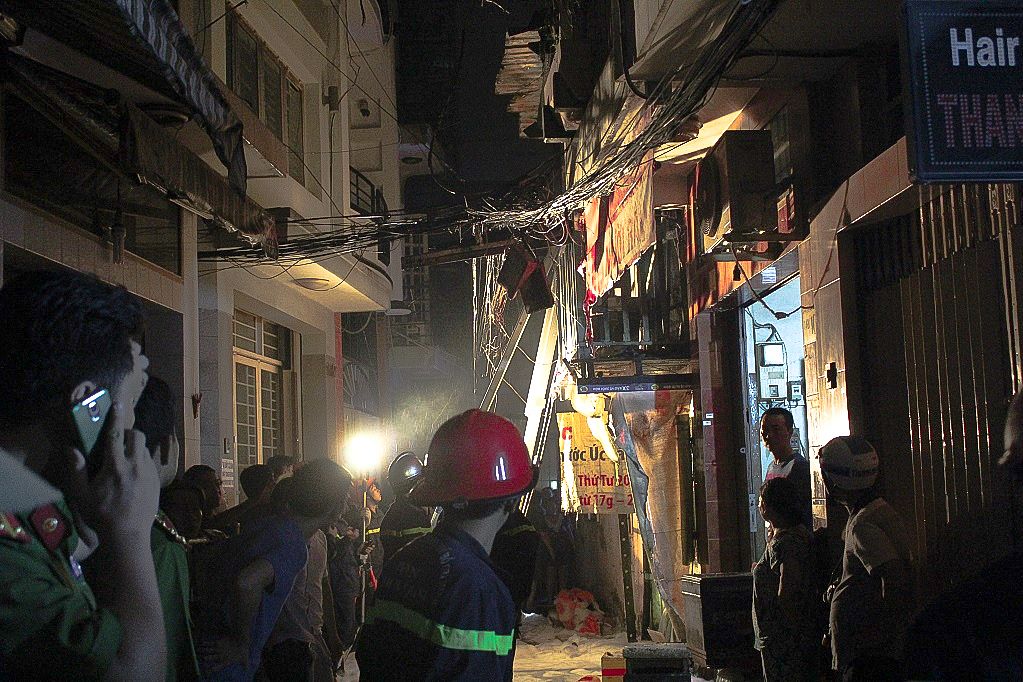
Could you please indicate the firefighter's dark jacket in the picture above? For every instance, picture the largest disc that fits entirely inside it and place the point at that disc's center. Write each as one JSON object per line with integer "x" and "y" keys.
{"x": 441, "y": 613}
{"x": 514, "y": 554}
{"x": 402, "y": 524}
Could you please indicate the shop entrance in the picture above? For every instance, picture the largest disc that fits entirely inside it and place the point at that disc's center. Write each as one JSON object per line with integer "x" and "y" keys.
{"x": 772, "y": 376}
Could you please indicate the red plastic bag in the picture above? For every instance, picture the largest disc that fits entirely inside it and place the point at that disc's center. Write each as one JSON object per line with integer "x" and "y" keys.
{"x": 577, "y": 610}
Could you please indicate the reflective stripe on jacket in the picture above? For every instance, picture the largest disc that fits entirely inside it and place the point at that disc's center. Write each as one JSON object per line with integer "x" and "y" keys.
{"x": 441, "y": 613}
{"x": 402, "y": 524}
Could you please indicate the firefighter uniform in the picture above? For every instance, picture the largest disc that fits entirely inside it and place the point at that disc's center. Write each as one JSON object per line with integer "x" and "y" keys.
{"x": 52, "y": 628}
{"x": 403, "y": 523}
{"x": 514, "y": 554}
{"x": 441, "y": 613}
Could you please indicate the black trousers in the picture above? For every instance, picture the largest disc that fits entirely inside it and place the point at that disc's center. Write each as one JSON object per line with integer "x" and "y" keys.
{"x": 289, "y": 660}
{"x": 345, "y": 611}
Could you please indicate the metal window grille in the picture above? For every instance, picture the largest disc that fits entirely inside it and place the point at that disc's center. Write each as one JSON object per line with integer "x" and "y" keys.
{"x": 245, "y": 331}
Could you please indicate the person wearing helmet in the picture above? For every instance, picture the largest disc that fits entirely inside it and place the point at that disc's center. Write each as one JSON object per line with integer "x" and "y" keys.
{"x": 872, "y": 601}
{"x": 404, "y": 521}
{"x": 441, "y": 611}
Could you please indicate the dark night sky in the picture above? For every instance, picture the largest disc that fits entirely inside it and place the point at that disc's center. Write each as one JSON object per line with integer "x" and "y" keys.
{"x": 481, "y": 137}
{"x": 490, "y": 149}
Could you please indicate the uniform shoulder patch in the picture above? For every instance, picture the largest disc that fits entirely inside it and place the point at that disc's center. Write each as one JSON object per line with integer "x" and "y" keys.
{"x": 163, "y": 522}
{"x": 50, "y": 525}
{"x": 12, "y": 529}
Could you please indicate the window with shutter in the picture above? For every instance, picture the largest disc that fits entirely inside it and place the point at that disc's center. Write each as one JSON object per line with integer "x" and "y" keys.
{"x": 243, "y": 63}
{"x": 295, "y": 141}
{"x": 273, "y": 114}
{"x": 264, "y": 83}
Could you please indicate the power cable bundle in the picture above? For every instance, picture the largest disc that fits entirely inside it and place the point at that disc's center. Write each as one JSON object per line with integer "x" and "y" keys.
{"x": 666, "y": 119}
{"x": 529, "y": 209}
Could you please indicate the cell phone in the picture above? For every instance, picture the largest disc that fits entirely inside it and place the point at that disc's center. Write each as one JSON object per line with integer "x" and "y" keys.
{"x": 89, "y": 415}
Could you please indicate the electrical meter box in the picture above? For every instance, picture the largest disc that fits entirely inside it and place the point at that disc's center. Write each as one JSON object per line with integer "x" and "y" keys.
{"x": 772, "y": 371}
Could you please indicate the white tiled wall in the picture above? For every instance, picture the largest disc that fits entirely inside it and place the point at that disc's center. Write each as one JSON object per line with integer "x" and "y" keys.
{"x": 78, "y": 250}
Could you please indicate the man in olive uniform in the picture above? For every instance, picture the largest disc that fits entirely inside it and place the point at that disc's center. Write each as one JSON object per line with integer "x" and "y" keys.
{"x": 155, "y": 418}
{"x": 64, "y": 336}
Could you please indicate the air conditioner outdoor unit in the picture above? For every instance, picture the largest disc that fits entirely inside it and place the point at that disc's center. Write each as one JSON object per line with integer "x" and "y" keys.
{"x": 734, "y": 198}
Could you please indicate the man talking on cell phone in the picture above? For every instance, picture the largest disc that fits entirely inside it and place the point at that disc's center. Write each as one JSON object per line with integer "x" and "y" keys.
{"x": 63, "y": 337}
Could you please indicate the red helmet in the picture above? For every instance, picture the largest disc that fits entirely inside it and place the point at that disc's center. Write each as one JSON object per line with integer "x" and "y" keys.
{"x": 474, "y": 457}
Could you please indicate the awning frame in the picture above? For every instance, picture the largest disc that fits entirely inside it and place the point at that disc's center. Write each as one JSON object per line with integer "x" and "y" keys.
{"x": 145, "y": 40}
{"x": 125, "y": 140}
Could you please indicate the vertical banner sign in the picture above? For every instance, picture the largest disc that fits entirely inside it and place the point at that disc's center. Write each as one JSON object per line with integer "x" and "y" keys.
{"x": 227, "y": 470}
{"x": 964, "y": 62}
{"x": 593, "y": 483}
{"x": 620, "y": 226}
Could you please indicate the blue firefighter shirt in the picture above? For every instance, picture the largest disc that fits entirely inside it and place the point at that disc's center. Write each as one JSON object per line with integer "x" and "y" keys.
{"x": 441, "y": 613}
{"x": 402, "y": 524}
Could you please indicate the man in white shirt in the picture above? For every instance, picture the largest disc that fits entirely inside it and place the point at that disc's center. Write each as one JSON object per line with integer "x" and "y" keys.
{"x": 776, "y": 428}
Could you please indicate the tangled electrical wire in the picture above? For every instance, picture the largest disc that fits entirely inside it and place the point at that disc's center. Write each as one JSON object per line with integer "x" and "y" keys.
{"x": 489, "y": 300}
{"x": 529, "y": 208}
{"x": 668, "y": 111}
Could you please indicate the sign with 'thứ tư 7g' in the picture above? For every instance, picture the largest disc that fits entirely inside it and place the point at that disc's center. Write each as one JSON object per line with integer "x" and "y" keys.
{"x": 593, "y": 482}
{"x": 964, "y": 62}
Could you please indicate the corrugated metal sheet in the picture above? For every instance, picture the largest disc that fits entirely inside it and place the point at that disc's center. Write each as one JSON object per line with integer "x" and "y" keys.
{"x": 940, "y": 353}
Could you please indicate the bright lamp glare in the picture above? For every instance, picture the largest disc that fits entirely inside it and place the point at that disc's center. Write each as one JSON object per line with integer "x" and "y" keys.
{"x": 364, "y": 451}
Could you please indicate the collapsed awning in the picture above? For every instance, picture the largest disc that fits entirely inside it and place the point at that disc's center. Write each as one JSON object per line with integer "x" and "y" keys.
{"x": 129, "y": 142}
{"x": 145, "y": 40}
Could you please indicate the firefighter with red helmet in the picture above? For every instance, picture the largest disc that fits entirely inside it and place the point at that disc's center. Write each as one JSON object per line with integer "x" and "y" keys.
{"x": 441, "y": 611}
{"x": 404, "y": 521}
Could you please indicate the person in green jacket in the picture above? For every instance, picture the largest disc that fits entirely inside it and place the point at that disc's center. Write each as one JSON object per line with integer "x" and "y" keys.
{"x": 64, "y": 336}
{"x": 154, "y": 417}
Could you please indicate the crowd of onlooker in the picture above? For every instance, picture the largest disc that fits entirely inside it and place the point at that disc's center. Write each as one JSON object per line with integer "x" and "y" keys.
{"x": 123, "y": 568}
{"x": 114, "y": 566}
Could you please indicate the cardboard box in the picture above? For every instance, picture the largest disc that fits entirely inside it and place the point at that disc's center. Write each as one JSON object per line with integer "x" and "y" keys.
{"x": 612, "y": 667}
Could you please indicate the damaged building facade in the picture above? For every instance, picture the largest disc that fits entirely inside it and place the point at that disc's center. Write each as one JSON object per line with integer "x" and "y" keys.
{"x": 143, "y": 141}
{"x": 787, "y": 243}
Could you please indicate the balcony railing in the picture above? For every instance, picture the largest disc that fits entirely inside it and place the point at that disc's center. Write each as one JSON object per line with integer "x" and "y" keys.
{"x": 367, "y": 198}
